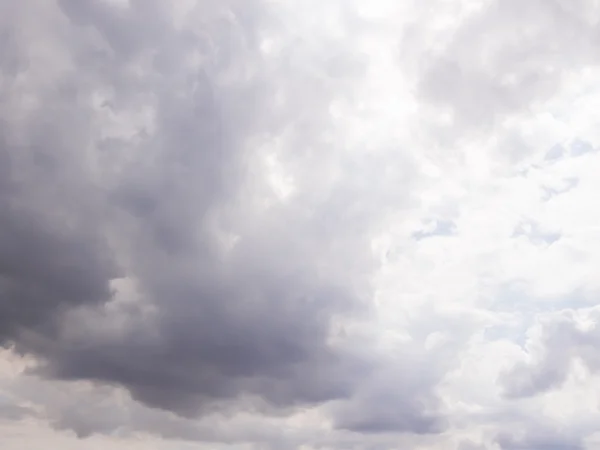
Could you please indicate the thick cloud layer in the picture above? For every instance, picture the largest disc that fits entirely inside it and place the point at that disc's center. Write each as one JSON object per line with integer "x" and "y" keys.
{"x": 142, "y": 245}
{"x": 296, "y": 225}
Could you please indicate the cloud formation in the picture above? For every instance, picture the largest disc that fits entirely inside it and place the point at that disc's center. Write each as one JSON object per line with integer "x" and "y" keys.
{"x": 143, "y": 246}
{"x": 263, "y": 224}
{"x": 155, "y": 207}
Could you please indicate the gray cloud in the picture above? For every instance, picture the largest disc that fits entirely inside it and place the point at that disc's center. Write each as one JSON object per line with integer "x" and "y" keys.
{"x": 144, "y": 248}
{"x": 553, "y": 352}
{"x": 549, "y": 371}
{"x": 502, "y": 59}
{"x": 154, "y": 203}
{"x": 539, "y": 440}
{"x": 11, "y": 410}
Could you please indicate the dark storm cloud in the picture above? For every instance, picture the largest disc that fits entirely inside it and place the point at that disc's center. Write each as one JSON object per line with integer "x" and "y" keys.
{"x": 53, "y": 252}
{"x": 246, "y": 325}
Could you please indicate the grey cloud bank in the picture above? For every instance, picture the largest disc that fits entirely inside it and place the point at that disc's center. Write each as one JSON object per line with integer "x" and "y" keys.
{"x": 191, "y": 194}
{"x": 242, "y": 325}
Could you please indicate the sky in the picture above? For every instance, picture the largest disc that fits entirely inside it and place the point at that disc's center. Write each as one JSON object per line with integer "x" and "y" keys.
{"x": 299, "y": 224}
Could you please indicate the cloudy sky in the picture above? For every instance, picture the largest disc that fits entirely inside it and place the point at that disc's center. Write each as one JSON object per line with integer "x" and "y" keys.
{"x": 299, "y": 224}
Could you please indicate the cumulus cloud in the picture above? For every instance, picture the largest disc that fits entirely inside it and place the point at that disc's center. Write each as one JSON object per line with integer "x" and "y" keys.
{"x": 506, "y": 56}
{"x": 555, "y": 344}
{"x": 156, "y": 204}
{"x": 263, "y": 224}
{"x": 143, "y": 243}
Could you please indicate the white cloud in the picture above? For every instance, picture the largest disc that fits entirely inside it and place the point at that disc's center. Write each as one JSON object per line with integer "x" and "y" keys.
{"x": 360, "y": 224}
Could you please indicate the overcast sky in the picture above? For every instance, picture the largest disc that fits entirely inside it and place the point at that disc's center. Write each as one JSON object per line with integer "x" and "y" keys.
{"x": 299, "y": 224}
